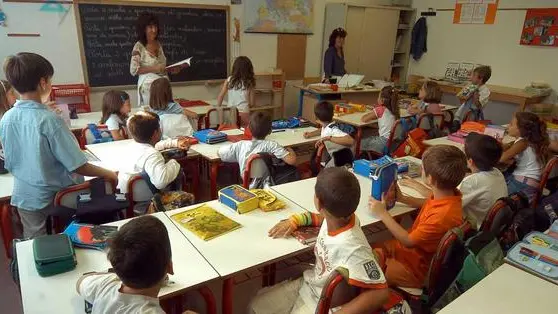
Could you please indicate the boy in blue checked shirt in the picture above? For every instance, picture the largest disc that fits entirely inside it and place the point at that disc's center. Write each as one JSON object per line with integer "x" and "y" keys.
{"x": 40, "y": 151}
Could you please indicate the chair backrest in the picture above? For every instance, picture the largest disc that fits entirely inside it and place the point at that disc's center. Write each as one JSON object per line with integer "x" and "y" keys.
{"x": 231, "y": 111}
{"x": 424, "y": 121}
{"x": 396, "y": 136}
{"x": 336, "y": 292}
{"x": 550, "y": 165}
{"x": 319, "y": 157}
{"x": 447, "y": 261}
{"x": 138, "y": 190}
{"x": 87, "y": 137}
{"x": 498, "y": 218}
{"x": 68, "y": 196}
{"x": 255, "y": 168}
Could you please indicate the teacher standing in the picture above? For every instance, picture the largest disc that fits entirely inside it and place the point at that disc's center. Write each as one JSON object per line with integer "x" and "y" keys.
{"x": 334, "y": 59}
{"x": 148, "y": 58}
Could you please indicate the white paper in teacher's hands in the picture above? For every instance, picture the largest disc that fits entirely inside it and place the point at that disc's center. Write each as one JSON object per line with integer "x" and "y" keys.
{"x": 185, "y": 61}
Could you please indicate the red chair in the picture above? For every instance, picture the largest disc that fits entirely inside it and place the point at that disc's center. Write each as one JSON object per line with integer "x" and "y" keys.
{"x": 68, "y": 197}
{"x": 6, "y": 213}
{"x": 255, "y": 168}
{"x": 138, "y": 192}
{"x": 207, "y": 117}
{"x": 424, "y": 122}
{"x": 553, "y": 162}
{"x": 498, "y": 217}
{"x": 319, "y": 156}
{"x": 396, "y": 137}
{"x": 73, "y": 90}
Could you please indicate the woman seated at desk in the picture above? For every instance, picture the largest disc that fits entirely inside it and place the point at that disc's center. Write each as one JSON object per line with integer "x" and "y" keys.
{"x": 334, "y": 59}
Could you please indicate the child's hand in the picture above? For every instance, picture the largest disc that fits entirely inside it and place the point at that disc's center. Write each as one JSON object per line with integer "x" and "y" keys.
{"x": 183, "y": 143}
{"x": 377, "y": 208}
{"x": 282, "y": 230}
{"x": 307, "y": 135}
{"x": 322, "y": 141}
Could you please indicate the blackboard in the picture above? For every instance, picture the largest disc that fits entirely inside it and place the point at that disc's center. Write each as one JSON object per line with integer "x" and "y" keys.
{"x": 108, "y": 34}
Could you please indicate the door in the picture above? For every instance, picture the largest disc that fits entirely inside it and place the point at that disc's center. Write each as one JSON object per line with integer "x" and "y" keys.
{"x": 354, "y": 26}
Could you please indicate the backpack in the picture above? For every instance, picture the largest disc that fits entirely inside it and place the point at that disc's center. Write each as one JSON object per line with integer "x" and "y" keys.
{"x": 547, "y": 212}
{"x": 412, "y": 145}
{"x": 521, "y": 223}
{"x": 279, "y": 172}
{"x": 102, "y": 208}
{"x": 171, "y": 197}
{"x": 434, "y": 131}
{"x": 483, "y": 255}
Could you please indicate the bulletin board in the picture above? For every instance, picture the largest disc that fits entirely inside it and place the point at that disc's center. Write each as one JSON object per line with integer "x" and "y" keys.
{"x": 540, "y": 28}
{"x": 475, "y": 11}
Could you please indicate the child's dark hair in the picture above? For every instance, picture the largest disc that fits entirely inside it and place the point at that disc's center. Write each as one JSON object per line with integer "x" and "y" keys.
{"x": 25, "y": 70}
{"x": 324, "y": 111}
{"x": 388, "y": 94}
{"x": 433, "y": 92}
{"x": 533, "y": 129}
{"x": 242, "y": 76}
{"x": 338, "y": 32}
{"x": 484, "y": 150}
{"x": 140, "y": 252}
{"x": 142, "y": 125}
{"x": 446, "y": 165}
{"x": 113, "y": 100}
{"x": 260, "y": 125}
{"x": 5, "y": 87}
{"x": 160, "y": 94}
{"x": 146, "y": 19}
{"x": 338, "y": 191}
{"x": 484, "y": 72}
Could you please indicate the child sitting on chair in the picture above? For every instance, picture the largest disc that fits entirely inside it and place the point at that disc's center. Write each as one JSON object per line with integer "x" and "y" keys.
{"x": 140, "y": 254}
{"x": 334, "y": 139}
{"x": 406, "y": 259}
{"x": 430, "y": 96}
{"x": 474, "y": 97}
{"x": 341, "y": 246}
{"x": 386, "y": 111}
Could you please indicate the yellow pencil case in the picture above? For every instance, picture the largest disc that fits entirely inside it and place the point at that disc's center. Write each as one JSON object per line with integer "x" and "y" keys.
{"x": 238, "y": 199}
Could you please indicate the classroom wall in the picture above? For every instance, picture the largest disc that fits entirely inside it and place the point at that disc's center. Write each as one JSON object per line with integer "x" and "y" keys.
{"x": 496, "y": 45}
{"x": 59, "y": 44}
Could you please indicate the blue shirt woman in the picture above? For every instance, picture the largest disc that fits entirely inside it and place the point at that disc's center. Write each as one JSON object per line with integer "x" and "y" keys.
{"x": 334, "y": 59}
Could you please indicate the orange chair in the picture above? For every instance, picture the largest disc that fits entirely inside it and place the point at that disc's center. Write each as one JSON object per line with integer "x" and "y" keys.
{"x": 255, "y": 168}
{"x": 207, "y": 117}
{"x": 553, "y": 162}
{"x": 68, "y": 197}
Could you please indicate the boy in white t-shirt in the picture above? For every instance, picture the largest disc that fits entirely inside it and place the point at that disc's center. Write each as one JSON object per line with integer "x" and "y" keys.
{"x": 260, "y": 127}
{"x": 140, "y": 254}
{"x": 341, "y": 246}
{"x": 474, "y": 96}
{"x": 330, "y": 134}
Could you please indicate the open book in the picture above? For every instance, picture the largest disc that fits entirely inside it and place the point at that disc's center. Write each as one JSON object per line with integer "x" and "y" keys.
{"x": 185, "y": 61}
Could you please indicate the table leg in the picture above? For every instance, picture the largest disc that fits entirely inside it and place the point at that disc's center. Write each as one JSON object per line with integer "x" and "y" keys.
{"x": 214, "y": 165}
{"x": 196, "y": 178}
{"x": 358, "y": 138}
{"x": 211, "y": 306}
{"x": 227, "y": 306}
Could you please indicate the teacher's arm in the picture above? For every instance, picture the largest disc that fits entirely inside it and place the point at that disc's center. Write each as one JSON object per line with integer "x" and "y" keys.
{"x": 329, "y": 59}
{"x": 136, "y": 68}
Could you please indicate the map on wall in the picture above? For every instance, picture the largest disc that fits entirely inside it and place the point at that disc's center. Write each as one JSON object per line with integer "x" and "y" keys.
{"x": 279, "y": 16}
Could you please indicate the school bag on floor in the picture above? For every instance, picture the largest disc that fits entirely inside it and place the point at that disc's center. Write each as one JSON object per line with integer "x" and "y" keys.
{"x": 412, "y": 145}
{"x": 483, "y": 255}
{"x": 171, "y": 197}
{"x": 547, "y": 212}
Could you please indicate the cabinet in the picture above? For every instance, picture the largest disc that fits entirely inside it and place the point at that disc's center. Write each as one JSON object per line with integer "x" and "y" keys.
{"x": 378, "y": 39}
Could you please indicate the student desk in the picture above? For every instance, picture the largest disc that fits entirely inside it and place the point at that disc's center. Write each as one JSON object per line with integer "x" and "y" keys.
{"x": 368, "y": 95}
{"x": 288, "y": 138}
{"x": 6, "y": 188}
{"x": 354, "y": 119}
{"x": 113, "y": 155}
{"x": 445, "y": 141}
{"x": 245, "y": 248}
{"x": 57, "y": 294}
{"x": 506, "y": 290}
{"x": 302, "y": 193}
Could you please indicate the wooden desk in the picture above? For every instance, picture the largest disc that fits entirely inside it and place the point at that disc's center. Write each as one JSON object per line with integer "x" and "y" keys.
{"x": 498, "y": 93}
{"x": 245, "y": 248}
{"x": 289, "y": 138}
{"x": 506, "y": 290}
{"x": 57, "y": 294}
{"x": 354, "y": 119}
{"x": 445, "y": 141}
{"x": 302, "y": 193}
{"x": 306, "y": 110}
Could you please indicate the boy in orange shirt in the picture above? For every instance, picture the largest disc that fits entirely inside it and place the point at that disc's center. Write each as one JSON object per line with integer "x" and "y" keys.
{"x": 406, "y": 259}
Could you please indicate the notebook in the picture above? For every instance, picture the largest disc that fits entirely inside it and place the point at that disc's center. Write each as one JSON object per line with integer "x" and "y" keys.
{"x": 307, "y": 235}
{"x": 205, "y": 222}
{"x": 89, "y": 236}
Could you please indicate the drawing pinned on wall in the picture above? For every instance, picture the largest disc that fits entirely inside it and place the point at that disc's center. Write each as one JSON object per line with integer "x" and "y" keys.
{"x": 53, "y": 6}
{"x": 236, "y": 38}
{"x": 2, "y": 18}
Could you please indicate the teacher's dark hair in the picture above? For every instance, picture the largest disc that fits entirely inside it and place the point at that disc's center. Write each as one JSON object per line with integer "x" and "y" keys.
{"x": 338, "y": 32}
{"x": 145, "y": 19}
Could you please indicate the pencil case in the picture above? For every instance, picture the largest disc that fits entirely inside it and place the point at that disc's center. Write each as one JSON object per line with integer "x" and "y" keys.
{"x": 53, "y": 254}
{"x": 239, "y": 199}
{"x": 383, "y": 173}
{"x": 210, "y": 136}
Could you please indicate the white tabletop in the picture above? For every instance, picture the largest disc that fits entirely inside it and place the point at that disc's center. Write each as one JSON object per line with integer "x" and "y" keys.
{"x": 354, "y": 118}
{"x": 90, "y": 117}
{"x": 287, "y": 138}
{"x": 507, "y": 290}
{"x": 445, "y": 141}
{"x": 57, "y": 294}
{"x": 6, "y": 186}
{"x": 302, "y": 193}
{"x": 248, "y": 246}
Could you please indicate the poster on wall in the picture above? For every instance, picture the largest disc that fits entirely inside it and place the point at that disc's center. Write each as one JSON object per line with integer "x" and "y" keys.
{"x": 475, "y": 11}
{"x": 540, "y": 28}
{"x": 279, "y": 16}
